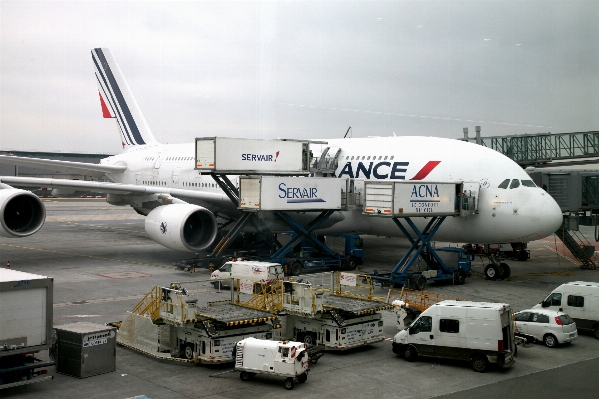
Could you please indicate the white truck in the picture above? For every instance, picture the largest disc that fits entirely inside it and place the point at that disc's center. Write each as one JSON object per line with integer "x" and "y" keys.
{"x": 26, "y": 302}
{"x": 479, "y": 332}
{"x": 580, "y": 300}
{"x": 254, "y": 271}
{"x": 282, "y": 358}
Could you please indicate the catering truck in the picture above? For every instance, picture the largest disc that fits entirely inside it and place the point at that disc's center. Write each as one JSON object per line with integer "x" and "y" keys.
{"x": 25, "y": 327}
{"x": 479, "y": 332}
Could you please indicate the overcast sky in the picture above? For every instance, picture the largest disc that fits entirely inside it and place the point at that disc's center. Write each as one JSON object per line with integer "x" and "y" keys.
{"x": 294, "y": 69}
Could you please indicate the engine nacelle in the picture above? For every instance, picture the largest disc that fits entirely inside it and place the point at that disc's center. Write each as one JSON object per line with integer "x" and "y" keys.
{"x": 183, "y": 227}
{"x": 22, "y": 213}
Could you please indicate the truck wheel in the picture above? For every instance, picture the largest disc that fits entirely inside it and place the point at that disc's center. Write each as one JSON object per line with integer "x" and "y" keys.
{"x": 479, "y": 363}
{"x": 352, "y": 263}
{"x": 396, "y": 349}
{"x": 245, "y": 376}
{"x": 296, "y": 268}
{"x": 596, "y": 332}
{"x": 309, "y": 339}
{"x": 522, "y": 255}
{"x": 410, "y": 353}
{"x": 289, "y": 383}
{"x": 461, "y": 278}
{"x": 188, "y": 351}
{"x": 491, "y": 272}
{"x": 302, "y": 377}
{"x": 550, "y": 341}
{"x": 506, "y": 271}
{"x": 420, "y": 283}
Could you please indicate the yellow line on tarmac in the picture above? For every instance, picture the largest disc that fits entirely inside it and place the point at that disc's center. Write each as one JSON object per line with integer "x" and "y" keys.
{"x": 88, "y": 256}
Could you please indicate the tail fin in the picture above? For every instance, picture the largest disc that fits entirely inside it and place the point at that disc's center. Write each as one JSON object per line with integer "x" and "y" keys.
{"x": 118, "y": 102}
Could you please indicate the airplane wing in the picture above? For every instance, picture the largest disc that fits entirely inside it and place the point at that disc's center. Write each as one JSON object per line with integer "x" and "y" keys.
{"x": 117, "y": 188}
{"x": 88, "y": 169}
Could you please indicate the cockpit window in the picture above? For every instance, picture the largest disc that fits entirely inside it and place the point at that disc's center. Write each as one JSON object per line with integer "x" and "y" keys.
{"x": 504, "y": 183}
{"x": 528, "y": 183}
{"x": 515, "y": 183}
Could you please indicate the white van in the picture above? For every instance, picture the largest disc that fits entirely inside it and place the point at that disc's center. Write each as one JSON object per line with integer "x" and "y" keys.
{"x": 264, "y": 272}
{"x": 480, "y": 332}
{"x": 580, "y": 300}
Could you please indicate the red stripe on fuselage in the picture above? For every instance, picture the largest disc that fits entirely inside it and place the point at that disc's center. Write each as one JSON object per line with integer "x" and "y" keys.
{"x": 105, "y": 111}
{"x": 428, "y": 168}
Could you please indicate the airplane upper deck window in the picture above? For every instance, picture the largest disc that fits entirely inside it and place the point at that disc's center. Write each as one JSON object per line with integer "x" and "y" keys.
{"x": 504, "y": 183}
{"x": 515, "y": 183}
{"x": 528, "y": 183}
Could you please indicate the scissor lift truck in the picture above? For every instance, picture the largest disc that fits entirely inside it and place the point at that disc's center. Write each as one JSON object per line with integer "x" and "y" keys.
{"x": 434, "y": 200}
{"x": 308, "y": 315}
{"x": 168, "y": 324}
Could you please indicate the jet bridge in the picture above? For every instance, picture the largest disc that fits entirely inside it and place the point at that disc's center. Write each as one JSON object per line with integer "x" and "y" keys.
{"x": 435, "y": 200}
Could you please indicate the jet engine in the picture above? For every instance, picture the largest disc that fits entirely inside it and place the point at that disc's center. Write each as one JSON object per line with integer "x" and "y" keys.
{"x": 21, "y": 213}
{"x": 183, "y": 227}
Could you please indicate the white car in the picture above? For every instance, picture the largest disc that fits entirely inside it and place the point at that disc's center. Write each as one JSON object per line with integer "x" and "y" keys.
{"x": 550, "y": 326}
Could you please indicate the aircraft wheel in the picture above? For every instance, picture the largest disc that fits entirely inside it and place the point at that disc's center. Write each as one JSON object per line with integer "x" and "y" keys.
{"x": 296, "y": 268}
{"x": 302, "y": 377}
{"x": 491, "y": 272}
{"x": 522, "y": 255}
{"x": 506, "y": 270}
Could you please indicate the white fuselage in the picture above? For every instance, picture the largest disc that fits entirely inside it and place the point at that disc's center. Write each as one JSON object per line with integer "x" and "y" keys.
{"x": 519, "y": 214}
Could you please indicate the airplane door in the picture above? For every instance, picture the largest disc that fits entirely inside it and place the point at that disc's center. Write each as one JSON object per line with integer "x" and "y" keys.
{"x": 157, "y": 163}
{"x": 469, "y": 204}
{"x": 176, "y": 172}
{"x": 138, "y": 178}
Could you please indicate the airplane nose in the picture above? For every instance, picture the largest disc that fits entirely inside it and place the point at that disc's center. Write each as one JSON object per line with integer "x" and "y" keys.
{"x": 550, "y": 216}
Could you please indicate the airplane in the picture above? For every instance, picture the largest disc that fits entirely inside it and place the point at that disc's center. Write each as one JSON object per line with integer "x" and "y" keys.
{"x": 160, "y": 182}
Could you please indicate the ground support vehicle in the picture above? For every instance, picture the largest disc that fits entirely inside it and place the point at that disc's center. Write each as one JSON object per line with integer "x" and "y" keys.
{"x": 339, "y": 320}
{"x": 434, "y": 200}
{"x": 168, "y": 324}
{"x": 25, "y": 327}
{"x": 580, "y": 300}
{"x": 479, "y": 332}
{"x": 282, "y": 358}
{"x": 264, "y": 272}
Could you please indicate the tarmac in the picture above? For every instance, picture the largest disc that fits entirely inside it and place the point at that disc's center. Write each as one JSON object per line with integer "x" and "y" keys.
{"x": 103, "y": 264}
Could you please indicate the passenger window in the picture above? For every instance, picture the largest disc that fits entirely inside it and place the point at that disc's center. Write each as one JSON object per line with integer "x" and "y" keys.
{"x": 352, "y": 157}
{"x": 523, "y": 316}
{"x": 543, "y": 318}
{"x": 368, "y": 159}
{"x": 504, "y": 183}
{"x": 392, "y": 156}
{"x": 449, "y": 326}
{"x": 515, "y": 183}
{"x": 576, "y": 301}
{"x": 528, "y": 183}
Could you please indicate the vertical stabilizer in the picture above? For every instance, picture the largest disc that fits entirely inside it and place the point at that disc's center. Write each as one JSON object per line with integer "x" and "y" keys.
{"x": 118, "y": 102}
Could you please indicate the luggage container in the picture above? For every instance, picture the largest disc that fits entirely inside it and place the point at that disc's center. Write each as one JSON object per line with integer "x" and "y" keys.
{"x": 85, "y": 349}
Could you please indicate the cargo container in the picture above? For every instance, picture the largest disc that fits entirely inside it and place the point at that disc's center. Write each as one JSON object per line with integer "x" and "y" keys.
{"x": 246, "y": 156}
{"x": 26, "y": 302}
{"x": 284, "y": 193}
